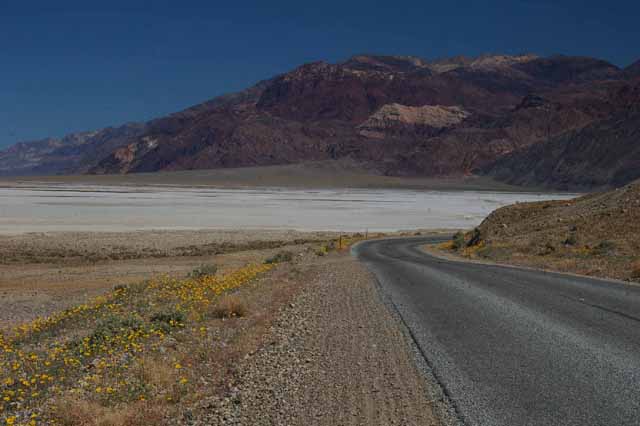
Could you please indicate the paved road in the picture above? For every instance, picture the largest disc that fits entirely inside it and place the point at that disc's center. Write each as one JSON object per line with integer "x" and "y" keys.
{"x": 513, "y": 346}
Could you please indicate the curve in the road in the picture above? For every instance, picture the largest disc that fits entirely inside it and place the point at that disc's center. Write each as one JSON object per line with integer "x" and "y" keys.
{"x": 517, "y": 346}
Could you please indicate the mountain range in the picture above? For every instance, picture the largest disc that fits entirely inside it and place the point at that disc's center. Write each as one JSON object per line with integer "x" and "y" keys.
{"x": 561, "y": 121}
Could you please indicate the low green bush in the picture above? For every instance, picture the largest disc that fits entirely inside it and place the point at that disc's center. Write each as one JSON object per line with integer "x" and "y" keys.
{"x": 112, "y": 325}
{"x": 605, "y": 248}
{"x": 458, "y": 240}
{"x": 282, "y": 256}
{"x": 203, "y": 271}
{"x": 169, "y": 317}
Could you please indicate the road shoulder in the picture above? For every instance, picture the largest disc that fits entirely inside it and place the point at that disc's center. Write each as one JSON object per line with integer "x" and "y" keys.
{"x": 432, "y": 249}
{"x": 335, "y": 355}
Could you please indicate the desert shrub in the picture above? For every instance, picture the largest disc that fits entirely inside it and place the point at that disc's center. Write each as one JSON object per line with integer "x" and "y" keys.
{"x": 476, "y": 238}
{"x": 447, "y": 245}
{"x": 112, "y": 325}
{"x": 494, "y": 252}
{"x": 74, "y": 411}
{"x": 120, "y": 287}
{"x": 458, "y": 240}
{"x": 571, "y": 240}
{"x": 282, "y": 256}
{"x": 322, "y": 251}
{"x": 548, "y": 249}
{"x": 169, "y": 317}
{"x": 203, "y": 271}
{"x": 605, "y": 247}
{"x": 229, "y": 306}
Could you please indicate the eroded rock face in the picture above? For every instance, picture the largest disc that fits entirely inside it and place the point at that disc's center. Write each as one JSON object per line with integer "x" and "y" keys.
{"x": 386, "y": 63}
{"x": 499, "y": 61}
{"x": 389, "y": 117}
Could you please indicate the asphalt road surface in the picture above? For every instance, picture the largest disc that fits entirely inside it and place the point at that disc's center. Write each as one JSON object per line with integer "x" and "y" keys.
{"x": 513, "y": 346}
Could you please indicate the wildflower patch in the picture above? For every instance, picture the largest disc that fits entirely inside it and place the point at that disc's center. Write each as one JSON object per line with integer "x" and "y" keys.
{"x": 111, "y": 351}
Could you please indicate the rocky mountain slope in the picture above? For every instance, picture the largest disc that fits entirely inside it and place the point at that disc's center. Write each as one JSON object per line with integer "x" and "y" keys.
{"x": 595, "y": 234}
{"x": 74, "y": 153}
{"x": 401, "y": 115}
{"x": 604, "y": 152}
{"x": 633, "y": 70}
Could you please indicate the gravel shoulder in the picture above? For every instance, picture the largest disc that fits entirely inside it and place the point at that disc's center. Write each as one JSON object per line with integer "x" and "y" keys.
{"x": 334, "y": 355}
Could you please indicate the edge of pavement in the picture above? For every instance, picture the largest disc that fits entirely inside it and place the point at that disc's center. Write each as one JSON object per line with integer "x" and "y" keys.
{"x": 445, "y": 407}
{"x": 429, "y": 250}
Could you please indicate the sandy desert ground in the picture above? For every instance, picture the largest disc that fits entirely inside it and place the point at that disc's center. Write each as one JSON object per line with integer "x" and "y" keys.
{"x": 326, "y": 174}
{"x": 45, "y": 272}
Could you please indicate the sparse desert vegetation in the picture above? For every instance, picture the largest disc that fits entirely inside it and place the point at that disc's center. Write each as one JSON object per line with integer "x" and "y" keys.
{"x": 203, "y": 271}
{"x": 126, "y": 350}
{"x": 82, "y": 248}
{"x": 596, "y": 234}
{"x": 281, "y": 256}
{"x": 229, "y": 306}
{"x": 143, "y": 352}
{"x": 44, "y": 273}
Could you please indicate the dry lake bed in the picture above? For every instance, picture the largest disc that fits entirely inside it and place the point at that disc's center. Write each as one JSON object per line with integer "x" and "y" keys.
{"x": 74, "y": 207}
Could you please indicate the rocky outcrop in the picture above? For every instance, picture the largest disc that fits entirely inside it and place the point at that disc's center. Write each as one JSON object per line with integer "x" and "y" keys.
{"x": 394, "y": 118}
{"x": 392, "y": 64}
{"x": 486, "y": 62}
{"x": 493, "y": 62}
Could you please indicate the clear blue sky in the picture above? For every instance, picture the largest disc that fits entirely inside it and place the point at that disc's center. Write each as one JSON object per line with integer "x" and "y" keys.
{"x": 71, "y": 66}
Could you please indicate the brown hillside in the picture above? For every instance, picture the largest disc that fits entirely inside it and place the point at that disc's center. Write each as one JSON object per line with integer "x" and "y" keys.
{"x": 597, "y": 234}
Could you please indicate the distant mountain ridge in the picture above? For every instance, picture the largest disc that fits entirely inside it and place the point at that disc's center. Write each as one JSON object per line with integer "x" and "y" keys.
{"x": 73, "y": 153}
{"x": 633, "y": 70}
{"x": 402, "y": 115}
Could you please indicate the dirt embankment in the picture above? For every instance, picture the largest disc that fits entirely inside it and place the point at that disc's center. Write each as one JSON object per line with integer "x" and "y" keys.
{"x": 598, "y": 234}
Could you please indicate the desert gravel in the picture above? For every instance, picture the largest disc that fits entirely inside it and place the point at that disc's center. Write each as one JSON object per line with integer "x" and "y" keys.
{"x": 335, "y": 356}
